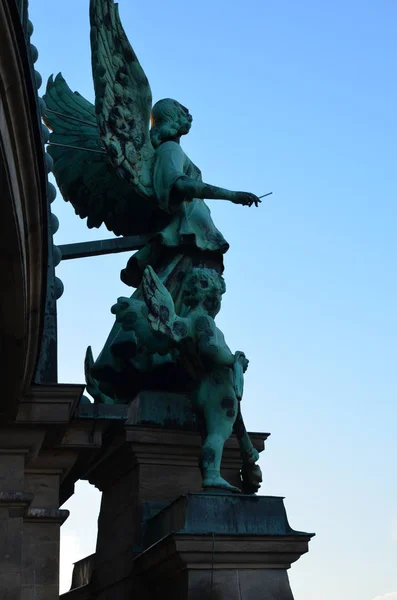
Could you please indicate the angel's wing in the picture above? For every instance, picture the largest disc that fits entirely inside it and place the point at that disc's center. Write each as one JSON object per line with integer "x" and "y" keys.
{"x": 123, "y": 99}
{"x": 82, "y": 168}
{"x": 162, "y": 316}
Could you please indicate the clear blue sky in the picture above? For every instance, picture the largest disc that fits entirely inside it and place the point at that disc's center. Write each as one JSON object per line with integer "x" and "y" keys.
{"x": 298, "y": 98}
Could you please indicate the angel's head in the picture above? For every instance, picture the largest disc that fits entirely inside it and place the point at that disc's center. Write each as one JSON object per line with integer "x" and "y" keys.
{"x": 169, "y": 120}
{"x": 206, "y": 287}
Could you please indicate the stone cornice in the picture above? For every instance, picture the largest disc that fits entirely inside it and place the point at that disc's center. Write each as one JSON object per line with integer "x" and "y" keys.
{"x": 46, "y": 515}
{"x": 54, "y": 403}
{"x": 15, "y": 499}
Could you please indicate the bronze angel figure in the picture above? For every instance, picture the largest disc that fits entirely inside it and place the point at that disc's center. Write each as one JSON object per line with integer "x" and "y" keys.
{"x": 135, "y": 179}
{"x": 120, "y": 163}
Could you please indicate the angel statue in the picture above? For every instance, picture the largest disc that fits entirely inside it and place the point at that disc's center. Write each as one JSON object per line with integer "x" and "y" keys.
{"x": 217, "y": 373}
{"x": 116, "y": 169}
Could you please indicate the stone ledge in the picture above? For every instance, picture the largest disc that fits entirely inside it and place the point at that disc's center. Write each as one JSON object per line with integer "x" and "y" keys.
{"x": 102, "y": 412}
{"x": 221, "y": 552}
{"x": 222, "y": 514}
{"x": 49, "y": 404}
{"x": 81, "y": 593}
{"x": 46, "y": 515}
{"x": 234, "y": 545}
{"x": 15, "y": 498}
{"x": 19, "y": 505}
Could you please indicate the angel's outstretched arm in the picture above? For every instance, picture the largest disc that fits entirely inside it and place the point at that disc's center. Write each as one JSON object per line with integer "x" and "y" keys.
{"x": 189, "y": 188}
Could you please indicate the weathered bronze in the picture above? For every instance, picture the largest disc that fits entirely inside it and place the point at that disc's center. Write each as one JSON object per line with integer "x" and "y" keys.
{"x": 136, "y": 179}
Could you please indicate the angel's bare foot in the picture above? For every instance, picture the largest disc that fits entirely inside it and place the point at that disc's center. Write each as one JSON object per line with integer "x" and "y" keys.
{"x": 216, "y": 481}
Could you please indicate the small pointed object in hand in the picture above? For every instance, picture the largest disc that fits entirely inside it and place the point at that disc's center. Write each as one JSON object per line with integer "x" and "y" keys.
{"x": 264, "y": 195}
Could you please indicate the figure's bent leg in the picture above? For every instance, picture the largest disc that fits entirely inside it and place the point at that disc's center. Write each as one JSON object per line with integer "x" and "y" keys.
{"x": 219, "y": 418}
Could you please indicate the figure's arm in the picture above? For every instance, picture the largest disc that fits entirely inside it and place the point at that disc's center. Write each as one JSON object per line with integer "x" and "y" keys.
{"x": 189, "y": 188}
{"x": 208, "y": 345}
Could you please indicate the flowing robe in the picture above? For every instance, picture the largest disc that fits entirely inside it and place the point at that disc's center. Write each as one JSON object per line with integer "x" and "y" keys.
{"x": 188, "y": 239}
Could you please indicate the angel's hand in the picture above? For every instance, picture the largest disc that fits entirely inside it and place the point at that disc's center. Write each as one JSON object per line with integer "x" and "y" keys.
{"x": 246, "y": 199}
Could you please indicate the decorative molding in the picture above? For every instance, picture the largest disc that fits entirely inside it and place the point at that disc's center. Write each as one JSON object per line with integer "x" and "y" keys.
{"x": 46, "y": 515}
{"x": 23, "y": 219}
{"x": 55, "y": 404}
{"x": 15, "y": 499}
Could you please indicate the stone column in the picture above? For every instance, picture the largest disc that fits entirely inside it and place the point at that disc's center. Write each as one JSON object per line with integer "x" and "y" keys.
{"x": 30, "y": 520}
{"x": 36, "y": 453}
{"x": 12, "y": 508}
{"x": 40, "y": 553}
{"x": 41, "y": 535}
{"x": 14, "y": 502}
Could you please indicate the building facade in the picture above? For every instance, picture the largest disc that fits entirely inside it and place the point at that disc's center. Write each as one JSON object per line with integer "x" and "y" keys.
{"x": 34, "y": 409}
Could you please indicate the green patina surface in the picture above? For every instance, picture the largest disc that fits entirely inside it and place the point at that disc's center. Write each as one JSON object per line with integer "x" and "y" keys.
{"x": 136, "y": 179}
{"x": 149, "y": 409}
{"x": 163, "y": 409}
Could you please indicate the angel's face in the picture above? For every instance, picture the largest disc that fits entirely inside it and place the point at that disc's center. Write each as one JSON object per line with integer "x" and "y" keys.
{"x": 212, "y": 299}
{"x": 185, "y": 119}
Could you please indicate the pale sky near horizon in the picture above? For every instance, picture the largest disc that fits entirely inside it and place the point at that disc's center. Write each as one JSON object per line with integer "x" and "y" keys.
{"x": 298, "y": 98}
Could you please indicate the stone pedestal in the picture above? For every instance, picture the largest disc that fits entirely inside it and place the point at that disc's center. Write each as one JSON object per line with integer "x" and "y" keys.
{"x": 161, "y": 536}
{"x": 228, "y": 547}
{"x": 145, "y": 467}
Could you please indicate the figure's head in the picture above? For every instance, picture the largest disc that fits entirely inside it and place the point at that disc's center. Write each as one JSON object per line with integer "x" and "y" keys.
{"x": 169, "y": 120}
{"x": 204, "y": 286}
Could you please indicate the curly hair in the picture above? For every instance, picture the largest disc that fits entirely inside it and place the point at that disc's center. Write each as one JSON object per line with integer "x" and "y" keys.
{"x": 204, "y": 286}
{"x": 168, "y": 121}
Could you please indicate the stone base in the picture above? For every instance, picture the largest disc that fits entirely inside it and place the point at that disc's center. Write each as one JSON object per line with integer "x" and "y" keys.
{"x": 236, "y": 583}
{"x": 206, "y": 546}
{"x": 220, "y": 546}
{"x": 161, "y": 536}
{"x": 150, "y": 462}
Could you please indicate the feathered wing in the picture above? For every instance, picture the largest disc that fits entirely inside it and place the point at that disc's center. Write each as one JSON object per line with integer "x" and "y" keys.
{"x": 123, "y": 99}
{"x": 82, "y": 168}
{"x": 162, "y": 316}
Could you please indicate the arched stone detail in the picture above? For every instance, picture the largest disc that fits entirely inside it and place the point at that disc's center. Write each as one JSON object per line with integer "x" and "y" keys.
{"x": 23, "y": 216}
